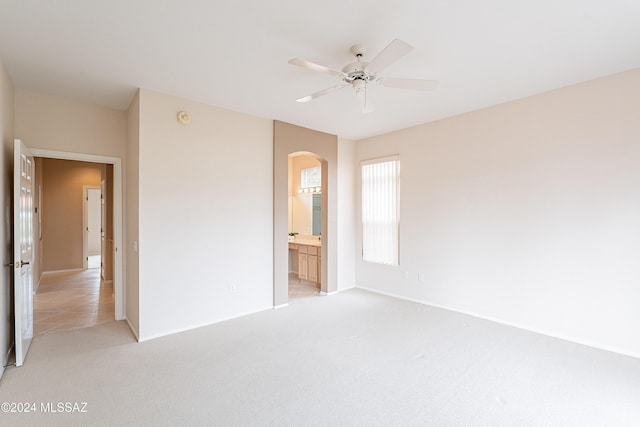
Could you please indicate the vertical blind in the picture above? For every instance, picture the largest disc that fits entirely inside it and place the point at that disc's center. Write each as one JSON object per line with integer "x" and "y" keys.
{"x": 380, "y": 210}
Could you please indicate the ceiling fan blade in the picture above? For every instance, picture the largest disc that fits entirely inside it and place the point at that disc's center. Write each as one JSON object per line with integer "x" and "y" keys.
{"x": 315, "y": 67}
{"x": 390, "y": 54}
{"x": 320, "y": 93}
{"x": 410, "y": 84}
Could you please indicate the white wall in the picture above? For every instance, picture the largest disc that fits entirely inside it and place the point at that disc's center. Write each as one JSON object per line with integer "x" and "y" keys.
{"x": 527, "y": 213}
{"x": 205, "y": 215}
{"x": 6, "y": 249}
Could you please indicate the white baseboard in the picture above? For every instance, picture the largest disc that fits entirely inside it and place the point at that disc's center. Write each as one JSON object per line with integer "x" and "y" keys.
{"x": 502, "y": 322}
{"x": 277, "y": 307}
{"x": 338, "y": 291}
{"x": 188, "y": 328}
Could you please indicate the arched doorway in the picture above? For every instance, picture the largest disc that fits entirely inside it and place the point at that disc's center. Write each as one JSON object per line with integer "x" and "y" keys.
{"x": 291, "y": 139}
{"x": 305, "y": 213}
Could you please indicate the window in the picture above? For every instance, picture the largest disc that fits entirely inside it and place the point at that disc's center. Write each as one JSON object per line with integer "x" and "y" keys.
{"x": 311, "y": 177}
{"x": 381, "y": 210}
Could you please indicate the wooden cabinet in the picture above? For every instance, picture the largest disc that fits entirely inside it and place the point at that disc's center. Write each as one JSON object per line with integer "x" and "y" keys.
{"x": 309, "y": 262}
{"x": 312, "y": 264}
{"x": 303, "y": 269}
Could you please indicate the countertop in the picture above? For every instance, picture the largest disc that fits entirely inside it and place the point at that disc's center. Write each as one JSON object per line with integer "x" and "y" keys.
{"x": 307, "y": 242}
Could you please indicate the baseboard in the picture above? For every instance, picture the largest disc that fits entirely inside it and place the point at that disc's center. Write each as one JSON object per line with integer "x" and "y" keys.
{"x": 46, "y": 273}
{"x": 189, "y": 328}
{"x": 506, "y": 323}
{"x": 277, "y": 307}
{"x": 337, "y": 292}
{"x": 35, "y": 288}
{"x": 133, "y": 330}
{"x": 5, "y": 361}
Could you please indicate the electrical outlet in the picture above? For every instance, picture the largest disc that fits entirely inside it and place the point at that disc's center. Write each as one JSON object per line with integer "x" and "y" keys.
{"x": 421, "y": 277}
{"x": 233, "y": 288}
{"x": 406, "y": 275}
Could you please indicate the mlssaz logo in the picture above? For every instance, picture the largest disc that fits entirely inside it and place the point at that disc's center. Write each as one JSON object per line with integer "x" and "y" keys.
{"x": 63, "y": 407}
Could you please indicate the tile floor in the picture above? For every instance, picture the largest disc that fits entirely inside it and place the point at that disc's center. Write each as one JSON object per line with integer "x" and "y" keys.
{"x": 301, "y": 288}
{"x": 71, "y": 300}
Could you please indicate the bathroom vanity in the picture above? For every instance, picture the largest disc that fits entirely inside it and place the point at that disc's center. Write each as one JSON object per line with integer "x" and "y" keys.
{"x": 309, "y": 259}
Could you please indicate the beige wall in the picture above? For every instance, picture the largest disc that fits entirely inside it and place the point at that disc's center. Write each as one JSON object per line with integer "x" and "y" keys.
{"x": 288, "y": 139}
{"x": 526, "y": 213}
{"x": 62, "y": 211}
{"x": 6, "y": 174}
{"x": 132, "y": 290}
{"x": 55, "y": 123}
{"x": 346, "y": 224}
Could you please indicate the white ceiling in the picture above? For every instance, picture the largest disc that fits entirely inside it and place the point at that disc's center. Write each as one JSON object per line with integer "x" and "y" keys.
{"x": 234, "y": 54}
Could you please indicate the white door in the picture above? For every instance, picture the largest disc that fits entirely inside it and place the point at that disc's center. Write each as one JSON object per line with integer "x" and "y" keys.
{"x": 103, "y": 227}
{"x": 23, "y": 178}
{"x": 94, "y": 221}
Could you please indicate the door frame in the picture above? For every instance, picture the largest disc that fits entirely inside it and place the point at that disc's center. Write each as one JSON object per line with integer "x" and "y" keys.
{"x": 85, "y": 223}
{"x": 118, "y": 215}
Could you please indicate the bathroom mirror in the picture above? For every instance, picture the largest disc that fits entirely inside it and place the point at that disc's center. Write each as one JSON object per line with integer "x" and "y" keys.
{"x": 305, "y": 198}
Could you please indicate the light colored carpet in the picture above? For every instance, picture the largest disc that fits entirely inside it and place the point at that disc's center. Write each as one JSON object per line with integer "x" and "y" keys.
{"x": 351, "y": 359}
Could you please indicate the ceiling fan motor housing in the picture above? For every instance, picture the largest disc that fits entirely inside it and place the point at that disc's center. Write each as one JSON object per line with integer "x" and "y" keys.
{"x": 358, "y": 71}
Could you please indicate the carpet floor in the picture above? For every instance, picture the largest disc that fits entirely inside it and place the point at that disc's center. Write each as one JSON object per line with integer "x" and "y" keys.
{"x": 350, "y": 359}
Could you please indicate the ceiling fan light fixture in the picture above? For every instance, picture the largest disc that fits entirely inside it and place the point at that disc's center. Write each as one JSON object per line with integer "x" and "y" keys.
{"x": 359, "y": 85}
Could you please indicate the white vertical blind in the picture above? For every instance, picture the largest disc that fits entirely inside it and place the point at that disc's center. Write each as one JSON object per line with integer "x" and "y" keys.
{"x": 380, "y": 210}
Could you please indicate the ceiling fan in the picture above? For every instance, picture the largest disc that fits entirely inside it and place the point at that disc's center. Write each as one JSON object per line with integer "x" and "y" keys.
{"x": 361, "y": 74}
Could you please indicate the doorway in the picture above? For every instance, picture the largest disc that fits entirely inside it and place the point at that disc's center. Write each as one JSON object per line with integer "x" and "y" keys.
{"x": 290, "y": 139}
{"x": 115, "y": 218}
{"x": 70, "y": 291}
{"x": 305, "y": 225}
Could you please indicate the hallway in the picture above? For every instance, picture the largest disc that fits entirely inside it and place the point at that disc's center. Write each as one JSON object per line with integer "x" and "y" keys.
{"x": 72, "y": 300}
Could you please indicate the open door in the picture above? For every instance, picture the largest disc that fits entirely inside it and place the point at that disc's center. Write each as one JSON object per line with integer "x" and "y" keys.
{"x": 23, "y": 169}
{"x": 91, "y": 219}
{"x": 103, "y": 227}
